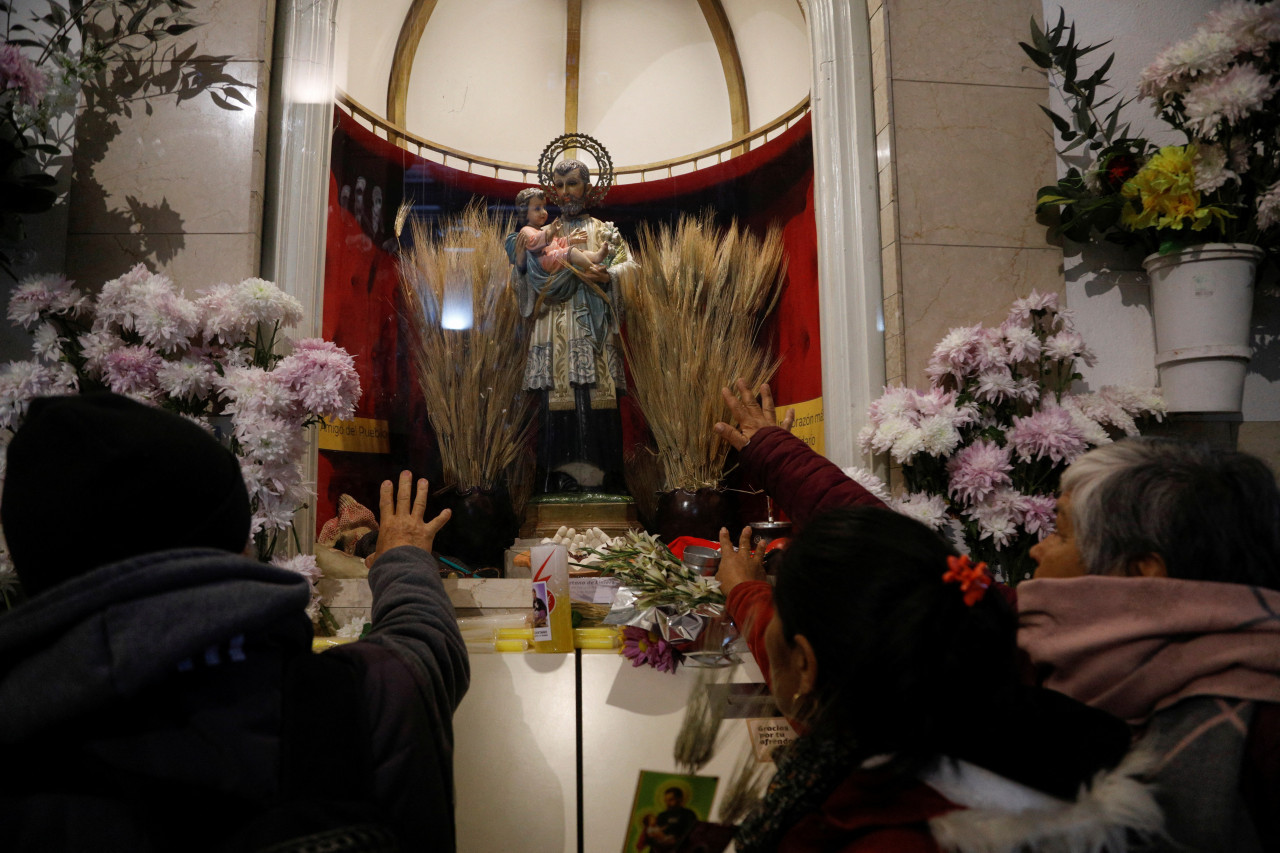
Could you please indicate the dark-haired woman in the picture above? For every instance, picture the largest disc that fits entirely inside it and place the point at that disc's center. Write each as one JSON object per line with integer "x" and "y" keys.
{"x": 896, "y": 660}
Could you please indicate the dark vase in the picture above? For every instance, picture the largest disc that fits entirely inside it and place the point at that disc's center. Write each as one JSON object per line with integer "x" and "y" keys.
{"x": 482, "y": 527}
{"x": 701, "y": 513}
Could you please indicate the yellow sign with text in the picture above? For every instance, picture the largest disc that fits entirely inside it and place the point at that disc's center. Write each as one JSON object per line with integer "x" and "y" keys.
{"x": 808, "y": 424}
{"x": 358, "y": 435}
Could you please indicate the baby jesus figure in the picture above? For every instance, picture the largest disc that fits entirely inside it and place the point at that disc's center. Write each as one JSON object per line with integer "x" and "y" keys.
{"x": 545, "y": 243}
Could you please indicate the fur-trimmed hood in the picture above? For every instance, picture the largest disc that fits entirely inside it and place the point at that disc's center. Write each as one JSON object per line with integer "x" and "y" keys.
{"x": 1002, "y": 816}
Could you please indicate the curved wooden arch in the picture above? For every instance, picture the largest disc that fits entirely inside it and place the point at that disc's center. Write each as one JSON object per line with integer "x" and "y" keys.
{"x": 411, "y": 30}
{"x": 730, "y": 60}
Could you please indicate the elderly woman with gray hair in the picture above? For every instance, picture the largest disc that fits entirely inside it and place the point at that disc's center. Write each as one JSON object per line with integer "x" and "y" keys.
{"x": 1157, "y": 600}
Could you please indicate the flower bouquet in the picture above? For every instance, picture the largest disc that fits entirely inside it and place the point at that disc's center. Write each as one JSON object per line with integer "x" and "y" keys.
{"x": 983, "y": 449}
{"x": 208, "y": 359}
{"x": 1218, "y": 89}
{"x": 664, "y": 606}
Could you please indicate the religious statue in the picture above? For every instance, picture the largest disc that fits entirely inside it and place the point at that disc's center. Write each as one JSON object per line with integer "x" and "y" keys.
{"x": 568, "y": 277}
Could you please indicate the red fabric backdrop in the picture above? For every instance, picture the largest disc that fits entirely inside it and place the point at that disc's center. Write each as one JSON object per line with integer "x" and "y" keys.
{"x": 773, "y": 183}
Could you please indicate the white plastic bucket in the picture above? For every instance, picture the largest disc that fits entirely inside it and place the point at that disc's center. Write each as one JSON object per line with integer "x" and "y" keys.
{"x": 1202, "y": 301}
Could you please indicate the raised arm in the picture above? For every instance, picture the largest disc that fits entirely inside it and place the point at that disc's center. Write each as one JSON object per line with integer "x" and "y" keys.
{"x": 800, "y": 481}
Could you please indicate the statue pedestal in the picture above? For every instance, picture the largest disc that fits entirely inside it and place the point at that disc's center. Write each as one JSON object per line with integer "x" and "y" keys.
{"x": 545, "y": 514}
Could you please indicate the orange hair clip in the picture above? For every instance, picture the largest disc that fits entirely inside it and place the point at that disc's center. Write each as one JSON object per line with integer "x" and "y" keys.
{"x": 973, "y": 580}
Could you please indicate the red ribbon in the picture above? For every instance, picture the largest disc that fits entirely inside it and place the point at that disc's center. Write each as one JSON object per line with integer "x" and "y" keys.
{"x": 973, "y": 580}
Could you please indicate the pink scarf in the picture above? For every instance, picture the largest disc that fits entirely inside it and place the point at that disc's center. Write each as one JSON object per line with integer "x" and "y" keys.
{"x": 1134, "y": 646}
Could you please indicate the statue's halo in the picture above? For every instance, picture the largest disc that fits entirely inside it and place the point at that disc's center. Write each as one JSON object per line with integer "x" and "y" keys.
{"x": 581, "y": 142}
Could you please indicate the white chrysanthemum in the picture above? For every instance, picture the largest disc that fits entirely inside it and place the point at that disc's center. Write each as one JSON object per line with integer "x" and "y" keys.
{"x": 888, "y": 433}
{"x": 187, "y": 378}
{"x": 908, "y": 443}
{"x": 1136, "y": 400}
{"x": 1230, "y": 97}
{"x": 1269, "y": 207}
{"x": 1252, "y": 26}
{"x": 1094, "y": 433}
{"x": 303, "y": 564}
{"x": 260, "y": 301}
{"x": 22, "y": 381}
{"x": 1204, "y": 53}
{"x": 930, "y": 510}
{"x": 939, "y": 436}
{"x": 354, "y": 628}
{"x": 270, "y": 440}
{"x": 866, "y": 436}
{"x": 42, "y": 295}
{"x": 1211, "y": 168}
{"x": 995, "y": 522}
{"x": 46, "y": 343}
{"x": 1022, "y": 341}
{"x": 869, "y": 481}
{"x": 895, "y": 402}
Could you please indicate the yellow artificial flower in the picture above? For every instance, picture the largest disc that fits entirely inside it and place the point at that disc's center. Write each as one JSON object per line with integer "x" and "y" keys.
{"x": 1166, "y": 195}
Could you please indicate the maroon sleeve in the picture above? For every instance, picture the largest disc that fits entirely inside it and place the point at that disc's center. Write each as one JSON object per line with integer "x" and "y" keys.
{"x": 750, "y": 606}
{"x": 801, "y": 482}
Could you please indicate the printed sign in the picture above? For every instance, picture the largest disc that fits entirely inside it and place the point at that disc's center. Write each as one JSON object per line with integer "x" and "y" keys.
{"x": 358, "y": 435}
{"x": 808, "y": 423}
{"x": 768, "y": 733}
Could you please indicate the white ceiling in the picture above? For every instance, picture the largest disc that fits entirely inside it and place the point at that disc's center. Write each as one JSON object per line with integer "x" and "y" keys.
{"x": 489, "y": 77}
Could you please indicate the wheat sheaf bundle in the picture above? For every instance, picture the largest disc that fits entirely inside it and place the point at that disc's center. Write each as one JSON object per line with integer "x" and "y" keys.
{"x": 694, "y": 313}
{"x": 454, "y": 274}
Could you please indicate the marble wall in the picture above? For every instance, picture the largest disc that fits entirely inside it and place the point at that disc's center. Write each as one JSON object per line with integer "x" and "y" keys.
{"x": 178, "y": 181}
{"x": 963, "y": 148}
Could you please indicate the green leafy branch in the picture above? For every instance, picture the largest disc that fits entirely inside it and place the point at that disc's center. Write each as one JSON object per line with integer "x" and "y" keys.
{"x": 1082, "y": 208}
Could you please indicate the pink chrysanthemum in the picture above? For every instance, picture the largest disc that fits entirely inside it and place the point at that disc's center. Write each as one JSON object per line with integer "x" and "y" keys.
{"x": 1205, "y": 53}
{"x": 1252, "y": 26}
{"x": 38, "y": 296}
{"x": 323, "y": 379}
{"x": 1021, "y": 311}
{"x": 995, "y": 385}
{"x": 1067, "y": 345}
{"x": 646, "y": 647}
{"x": 1047, "y": 433}
{"x": 978, "y": 470}
{"x": 19, "y": 73}
{"x": 22, "y": 381}
{"x": 1038, "y": 515}
{"x": 958, "y": 353}
{"x": 132, "y": 370}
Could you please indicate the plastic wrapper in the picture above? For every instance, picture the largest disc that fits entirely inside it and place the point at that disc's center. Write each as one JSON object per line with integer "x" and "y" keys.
{"x": 699, "y": 632}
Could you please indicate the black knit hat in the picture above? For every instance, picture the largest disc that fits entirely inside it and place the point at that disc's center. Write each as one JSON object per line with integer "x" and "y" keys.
{"x": 97, "y": 478}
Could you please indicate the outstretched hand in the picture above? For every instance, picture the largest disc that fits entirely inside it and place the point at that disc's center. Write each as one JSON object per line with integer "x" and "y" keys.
{"x": 741, "y": 565}
{"x": 400, "y": 520}
{"x": 750, "y": 415}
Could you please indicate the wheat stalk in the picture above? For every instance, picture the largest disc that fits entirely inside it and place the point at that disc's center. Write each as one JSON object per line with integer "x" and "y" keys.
{"x": 694, "y": 314}
{"x": 471, "y": 375}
